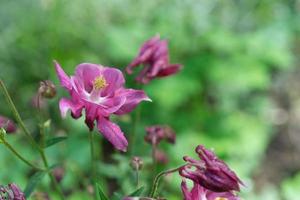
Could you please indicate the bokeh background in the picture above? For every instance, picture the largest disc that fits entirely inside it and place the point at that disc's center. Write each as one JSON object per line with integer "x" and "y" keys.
{"x": 239, "y": 91}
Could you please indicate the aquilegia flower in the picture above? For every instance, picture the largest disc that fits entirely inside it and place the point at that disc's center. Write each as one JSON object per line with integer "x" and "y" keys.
{"x": 100, "y": 91}
{"x": 7, "y": 124}
{"x": 154, "y": 56}
{"x": 200, "y": 193}
{"x": 210, "y": 172}
{"x": 156, "y": 133}
{"x": 11, "y": 192}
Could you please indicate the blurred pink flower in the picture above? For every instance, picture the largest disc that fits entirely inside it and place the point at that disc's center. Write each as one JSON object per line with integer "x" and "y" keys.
{"x": 11, "y": 192}
{"x": 154, "y": 56}
{"x": 156, "y": 133}
{"x": 100, "y": 91}
{"x": 210, "y": 172}
{"x": 200, "y": 193}
{"x": 7, "y": 124}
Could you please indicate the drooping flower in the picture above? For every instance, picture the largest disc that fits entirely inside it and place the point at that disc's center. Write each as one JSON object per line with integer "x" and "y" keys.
{"x": 210, "y": 172}
{"x": 7, "y": 124}
{"x": 11, "y": 192}
{"x": 100, "y": 91}
{"x": 200, "y": 193}
{"x": 157, "y": 133}
{"x": 154, "y": 56}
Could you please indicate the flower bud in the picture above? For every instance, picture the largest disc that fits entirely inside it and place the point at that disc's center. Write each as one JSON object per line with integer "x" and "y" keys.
{"x": 58, "y": 173}
{"x": 136, "y": 163}
{"x": 161, "y": 157}
{"x": 47, "y": 89}
{"x": 7, "y": 124}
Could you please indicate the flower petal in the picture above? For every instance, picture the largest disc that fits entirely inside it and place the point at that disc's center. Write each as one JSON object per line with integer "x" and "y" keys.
{"x": 87, "y": 73}
{"x": 62, "y": 76}
{"x": 114, "y": 79}
{"x": 67, "y": 104}
{"x": 171, "y": 69}
{"x": 133, "y": 98}
{"x": 112, "y": 133}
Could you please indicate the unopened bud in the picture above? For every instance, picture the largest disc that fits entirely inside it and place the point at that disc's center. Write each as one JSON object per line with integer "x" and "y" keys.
{"x": 59, "y": 173}
{"x": 47, "y": 89}
{"x": 136, "y": 163}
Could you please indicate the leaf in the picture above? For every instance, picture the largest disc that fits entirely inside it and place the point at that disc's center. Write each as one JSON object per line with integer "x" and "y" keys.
{"x": 33, "y": 182}
{"x": 53, "y": 141}
{"x": 101, "y": 193}
{"x": 137, "y": 193}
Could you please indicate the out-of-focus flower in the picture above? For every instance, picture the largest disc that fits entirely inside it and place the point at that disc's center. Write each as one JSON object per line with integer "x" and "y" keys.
{"x": 157, "y": 133}
{"x": 47, "y": 89}
{"x": 161, "y": 157}
{"x": 200, "y": 193}
{"x": 136, "y": 163}
{"x": 210, "y": 172}
{"x": 59, "y": 173}
{"x": 100, "y": 91}
{"x": 7, "y": 124}
{"x": 11, "y": 192}
{"x": 154, "y": 56}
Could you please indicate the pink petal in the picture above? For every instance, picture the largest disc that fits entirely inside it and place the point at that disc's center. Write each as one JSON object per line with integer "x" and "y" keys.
{"x": 112, "y": 105}
{"x": 62, "y": 76}
{"x": 87, "y": 72}
{"x": 171, "y": 69}
{"x": 133, "y": 98}
{"x": 67, "y": 104}
{"x": 114, "y": 79}
{"x": 112, "y": 133}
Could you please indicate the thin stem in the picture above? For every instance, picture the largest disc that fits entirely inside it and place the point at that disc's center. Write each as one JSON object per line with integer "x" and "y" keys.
{"x": 52, "y": 178}
{"x": 21, "y": 157}
{"x": 93, "y": 163}
{"x": 17, "y": 115}
{"x": 137, "y": 176}
{"x": 28, "y": 135}
{"x": 158, "y": 177}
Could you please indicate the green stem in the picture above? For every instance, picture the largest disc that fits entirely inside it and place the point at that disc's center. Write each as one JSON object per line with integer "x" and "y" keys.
{"x": 17, "y": 115}
{"x": 28, "y": 135}
{"x": 137, "y": 176}
{"x": 21, "y": 157}
{"x": 93, "y": 163}
{"x": 158, "y": 177}
{"x": 52, "y": 178}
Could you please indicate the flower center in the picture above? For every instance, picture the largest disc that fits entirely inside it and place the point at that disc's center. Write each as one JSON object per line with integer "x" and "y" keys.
{"x": 99, "y": 83}
{"x": 221, "y": 198}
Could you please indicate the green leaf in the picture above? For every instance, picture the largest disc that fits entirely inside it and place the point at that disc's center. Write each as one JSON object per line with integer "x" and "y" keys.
{"x": 137, "y": 193}
{"x": 33, "y": 182}
{"x": 101, "y": 193}
{"x": 53, "y": 141}
{"x": 117, "y": 196}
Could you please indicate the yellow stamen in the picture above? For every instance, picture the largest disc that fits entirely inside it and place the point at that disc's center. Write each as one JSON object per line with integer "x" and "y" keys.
{"x": 221, "y": 198}
{"x": 99, "y": 82}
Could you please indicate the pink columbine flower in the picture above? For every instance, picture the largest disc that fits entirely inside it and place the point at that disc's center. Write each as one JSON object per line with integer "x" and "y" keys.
{"x": 154, "y": 56}
{"x": 200, "y": 193}
{"x": 210, "y": 172}
{"x": 100, "y": 91}
{"x": 7, "y": 124}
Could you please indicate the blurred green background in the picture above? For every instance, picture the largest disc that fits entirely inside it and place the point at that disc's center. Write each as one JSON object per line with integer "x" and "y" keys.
{"x": 236, "y": 94}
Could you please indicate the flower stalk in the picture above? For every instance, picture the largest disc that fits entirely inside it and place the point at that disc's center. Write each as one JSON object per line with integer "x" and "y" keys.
{"x": 159, "y": 176}
{"x": 93, "y": 163}
{"x": 29, "y": 137}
